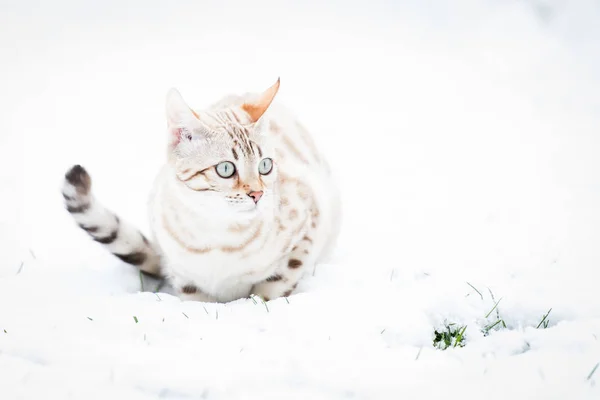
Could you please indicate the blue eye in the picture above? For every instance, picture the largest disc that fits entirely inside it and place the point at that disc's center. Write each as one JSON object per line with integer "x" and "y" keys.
{"x": 265, "y": 166}
{"x": 225, "y": 169}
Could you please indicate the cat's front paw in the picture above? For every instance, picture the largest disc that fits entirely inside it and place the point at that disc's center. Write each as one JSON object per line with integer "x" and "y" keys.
{"x": 270, "y": 290}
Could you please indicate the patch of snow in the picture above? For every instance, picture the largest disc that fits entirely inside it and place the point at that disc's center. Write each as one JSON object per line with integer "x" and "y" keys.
{"x": 465, "y": 136}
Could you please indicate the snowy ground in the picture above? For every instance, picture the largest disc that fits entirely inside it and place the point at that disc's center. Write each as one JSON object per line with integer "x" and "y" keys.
{"x": 465, "y": 136}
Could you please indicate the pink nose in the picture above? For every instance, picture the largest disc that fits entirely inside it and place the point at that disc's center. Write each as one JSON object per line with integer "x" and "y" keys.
{"x": 256, "y": 195}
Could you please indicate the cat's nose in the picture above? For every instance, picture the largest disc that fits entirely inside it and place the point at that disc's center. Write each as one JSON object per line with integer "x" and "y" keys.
{"x": 256, "y": 195}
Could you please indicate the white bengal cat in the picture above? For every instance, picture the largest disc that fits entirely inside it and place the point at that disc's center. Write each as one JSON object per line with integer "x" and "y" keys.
{"x": 244, "y": 204}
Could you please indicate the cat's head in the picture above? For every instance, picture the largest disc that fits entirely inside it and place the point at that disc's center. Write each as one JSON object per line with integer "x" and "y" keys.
{"x": 222, "y": 155}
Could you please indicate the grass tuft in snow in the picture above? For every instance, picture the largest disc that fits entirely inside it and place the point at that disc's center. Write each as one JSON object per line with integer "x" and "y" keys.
{"x": 89, "y": 318}
{"x": 452, "y": 336}
{"x": 493, "y": 308}
{"x": 486, "y": 329}
{"x": 545, "y": 321}
{"x": 498, "y": 323}
{"x": 141, "y": 282}
{"x": 475, "y": 289}
{"x": 5, "y": 331}
{"x": 590, "y": 374}
{"x": 185, "y": 315}
{"x": 135, "y": 319}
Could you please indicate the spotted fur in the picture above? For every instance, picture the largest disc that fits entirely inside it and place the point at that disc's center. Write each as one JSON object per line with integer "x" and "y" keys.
{"x": 211, "y": 237}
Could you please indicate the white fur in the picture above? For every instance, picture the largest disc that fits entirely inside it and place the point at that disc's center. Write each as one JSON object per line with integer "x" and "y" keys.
{"x": 203, "y": 218}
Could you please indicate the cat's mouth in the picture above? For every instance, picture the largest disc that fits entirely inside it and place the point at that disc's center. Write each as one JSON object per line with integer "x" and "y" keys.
{"x": 250, "y": 209}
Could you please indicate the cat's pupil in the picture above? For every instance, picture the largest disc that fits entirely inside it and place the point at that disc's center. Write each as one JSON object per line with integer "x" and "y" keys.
{"x": 225, "y": 169}
{"x": 265, "y": 166}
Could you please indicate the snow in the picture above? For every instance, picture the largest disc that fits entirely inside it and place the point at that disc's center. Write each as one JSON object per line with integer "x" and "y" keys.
{"x": 465, "y": 138}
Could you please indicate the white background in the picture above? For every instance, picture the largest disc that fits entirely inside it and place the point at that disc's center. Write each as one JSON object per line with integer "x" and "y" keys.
{"x": 465, "y": 137}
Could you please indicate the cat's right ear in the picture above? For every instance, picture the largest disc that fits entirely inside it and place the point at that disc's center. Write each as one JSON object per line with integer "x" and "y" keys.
{"x": 180, "y": 116}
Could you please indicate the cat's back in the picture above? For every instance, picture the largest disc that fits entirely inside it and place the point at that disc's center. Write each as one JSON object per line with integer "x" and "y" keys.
{"x": 302, "y": 165}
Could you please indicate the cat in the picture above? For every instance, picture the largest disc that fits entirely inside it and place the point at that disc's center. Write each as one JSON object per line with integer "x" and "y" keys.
{"x": 244, "y": 203}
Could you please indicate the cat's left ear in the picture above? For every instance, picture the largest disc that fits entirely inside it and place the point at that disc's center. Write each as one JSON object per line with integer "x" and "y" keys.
{"x": 256, "y": 108}
{"x": 180, "y": 117}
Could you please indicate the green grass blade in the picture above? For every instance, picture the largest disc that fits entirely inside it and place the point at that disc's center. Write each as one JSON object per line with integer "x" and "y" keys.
{"x": 589, "y": 375}
{"x": 475, "y": 289}
{"x": 495, "y": 306}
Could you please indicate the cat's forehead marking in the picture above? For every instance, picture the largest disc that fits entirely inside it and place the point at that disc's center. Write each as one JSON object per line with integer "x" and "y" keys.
{"x": 228, "y": 123}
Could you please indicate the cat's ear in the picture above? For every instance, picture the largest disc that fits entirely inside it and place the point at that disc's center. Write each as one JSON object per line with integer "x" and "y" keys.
{"x": 257, "y": 107}
{"x": 180, "y": 116}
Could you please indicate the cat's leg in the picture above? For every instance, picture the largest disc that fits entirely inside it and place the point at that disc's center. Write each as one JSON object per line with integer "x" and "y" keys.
{"x": 187, "y": 290}
{"x": 191, "y": 292}
{"x": 285, "y": 278}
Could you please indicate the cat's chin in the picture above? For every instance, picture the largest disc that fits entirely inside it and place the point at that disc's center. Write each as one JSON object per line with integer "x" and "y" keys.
{"x": 250, "y": 211}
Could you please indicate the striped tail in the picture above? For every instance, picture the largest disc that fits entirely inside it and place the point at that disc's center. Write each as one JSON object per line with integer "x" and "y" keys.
{"x": 118, "y": 237}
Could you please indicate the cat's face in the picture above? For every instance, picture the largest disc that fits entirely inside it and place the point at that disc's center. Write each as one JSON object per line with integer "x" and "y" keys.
{"x": 223, "y": 156}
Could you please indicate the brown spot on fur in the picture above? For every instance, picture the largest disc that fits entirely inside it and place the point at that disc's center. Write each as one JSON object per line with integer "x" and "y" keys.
{"x": 280, "y": 226}
{"x": 89, "y": 229}
{"x": 78, "y": 209}
{"x": 294, "y": 263}
{"x": 252, "y": 238}
{"x": 293, "y": 214}
{"x": 313, "y": 224}
{"x": 79, "y": 178}
{"x": 68, "y": 198}
{"x": 135, "y": 258}
{"x": 315, "y": 212}
{"x": 274, "y": 278}
{"x": 189, "y": 289}
{"x": 195, "y": 114}
{"x": 307, "y": 239}
{"x": 107, "y": 239}
{"x": 235, "y": 154}
{"x": 287, "y": 293}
